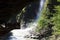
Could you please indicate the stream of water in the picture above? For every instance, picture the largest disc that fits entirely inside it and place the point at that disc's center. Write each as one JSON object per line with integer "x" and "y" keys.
{"x": 29, "y": 32}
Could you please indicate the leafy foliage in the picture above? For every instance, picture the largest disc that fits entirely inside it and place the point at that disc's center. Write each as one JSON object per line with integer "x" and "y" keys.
{"x": 54, "y": 18}
{"x": 43, "y": 21}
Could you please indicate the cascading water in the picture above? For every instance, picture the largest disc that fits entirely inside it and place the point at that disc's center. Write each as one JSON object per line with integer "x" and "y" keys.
{"x": 27, "y": 33}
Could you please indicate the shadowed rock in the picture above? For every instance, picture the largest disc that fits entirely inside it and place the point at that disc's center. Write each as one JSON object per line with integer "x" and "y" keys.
{"x": 9, "y": 8}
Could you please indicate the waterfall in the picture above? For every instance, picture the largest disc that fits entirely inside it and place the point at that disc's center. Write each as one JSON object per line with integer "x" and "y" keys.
{"x": 21, "y": 34}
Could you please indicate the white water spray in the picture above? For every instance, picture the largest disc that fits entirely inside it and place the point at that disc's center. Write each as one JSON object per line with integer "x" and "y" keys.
{"x": 21, "y": 34}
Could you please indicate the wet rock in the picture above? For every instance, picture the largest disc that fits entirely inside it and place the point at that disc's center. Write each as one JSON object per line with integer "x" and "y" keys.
{"x": 31, "y": 36}
{"x": 35, "y": 37}
{"x": 8, "y": 28}
{"x": 27, "y": 36}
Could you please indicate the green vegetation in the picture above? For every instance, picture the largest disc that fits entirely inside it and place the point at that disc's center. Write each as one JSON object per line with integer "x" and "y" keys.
{"x": 50, "y": 17}
{"x": 58, "y": 0}
{"x": 56, "y": 20}
{"x": 43, "y": 18}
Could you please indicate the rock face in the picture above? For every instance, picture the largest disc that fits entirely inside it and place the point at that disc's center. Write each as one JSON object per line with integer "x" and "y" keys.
{"x": 9, "y": 9}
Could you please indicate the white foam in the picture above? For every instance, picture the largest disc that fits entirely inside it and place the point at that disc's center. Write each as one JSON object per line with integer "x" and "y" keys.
{"x": 20, "y": 34}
